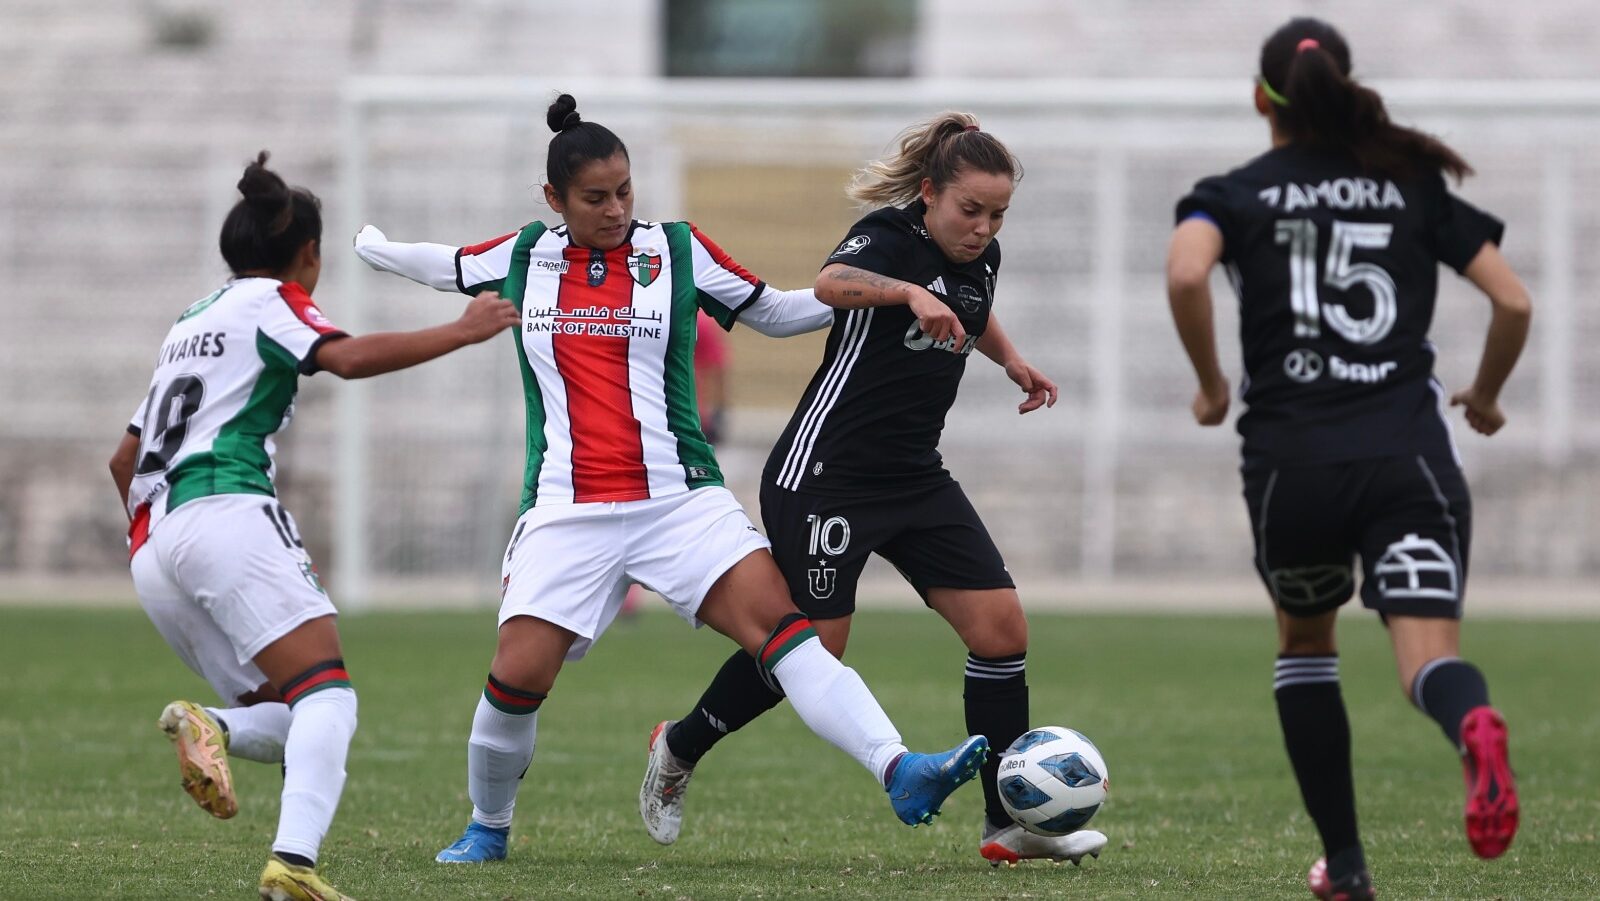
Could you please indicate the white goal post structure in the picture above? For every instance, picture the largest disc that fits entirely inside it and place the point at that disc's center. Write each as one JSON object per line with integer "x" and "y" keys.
{"x": 1114, "y": 483}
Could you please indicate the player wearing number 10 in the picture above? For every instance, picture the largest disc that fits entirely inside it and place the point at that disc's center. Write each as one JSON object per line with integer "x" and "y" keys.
{"x": 216, "y": 560}
{"x": 1332, "y": 240}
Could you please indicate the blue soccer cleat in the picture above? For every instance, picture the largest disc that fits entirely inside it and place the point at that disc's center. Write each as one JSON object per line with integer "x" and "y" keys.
{"x": 479, "y": 844}
{"x": 921, "y": 782}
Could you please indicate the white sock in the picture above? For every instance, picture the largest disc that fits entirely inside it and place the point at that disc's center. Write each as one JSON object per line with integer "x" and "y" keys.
{"x": 257, "y": 732}
{"x": 498, "y": 753}
{"x": 838, "y": 706}
{"x": 313, "y": 756}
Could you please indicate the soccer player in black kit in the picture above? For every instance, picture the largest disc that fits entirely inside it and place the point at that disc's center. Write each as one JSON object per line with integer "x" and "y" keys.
{"x": 1332, "y": 240}
{"x": 858, "y": 469}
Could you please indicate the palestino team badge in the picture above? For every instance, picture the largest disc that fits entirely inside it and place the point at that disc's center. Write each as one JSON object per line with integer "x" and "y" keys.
{"x": 645, "y": 267}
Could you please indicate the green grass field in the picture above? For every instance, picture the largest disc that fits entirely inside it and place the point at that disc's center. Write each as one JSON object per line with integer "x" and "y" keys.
{"x": 1203, "y": 805}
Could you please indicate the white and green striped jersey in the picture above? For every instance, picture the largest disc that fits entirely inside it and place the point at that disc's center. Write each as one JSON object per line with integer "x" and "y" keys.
{"x": 224, "y": 383}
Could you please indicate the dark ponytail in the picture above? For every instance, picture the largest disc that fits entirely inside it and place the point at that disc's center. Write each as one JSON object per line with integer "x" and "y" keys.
{"x": 270, "y": 224}
{"x": 576, "y": 144}
{"x": 1305, "y": 71}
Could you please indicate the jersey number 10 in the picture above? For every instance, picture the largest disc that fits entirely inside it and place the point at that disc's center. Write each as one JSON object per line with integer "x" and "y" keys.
{"x": 1339, "y": 273}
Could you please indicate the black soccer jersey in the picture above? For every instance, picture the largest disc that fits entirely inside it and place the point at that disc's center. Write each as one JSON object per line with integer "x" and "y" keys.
{"x": 1336, "y": 273}
{"x": 870, "y": 420}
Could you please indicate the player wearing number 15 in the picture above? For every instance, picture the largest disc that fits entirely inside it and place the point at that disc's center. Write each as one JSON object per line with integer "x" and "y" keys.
{"x": 217, "y": 561}
{"x": 1332, "y": 240}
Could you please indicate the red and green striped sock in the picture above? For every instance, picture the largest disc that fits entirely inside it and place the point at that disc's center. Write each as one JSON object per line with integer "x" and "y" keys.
{"x": 327, "y": 674}
{"x": 793, "y": 631}
{"x": 514, "y": 701}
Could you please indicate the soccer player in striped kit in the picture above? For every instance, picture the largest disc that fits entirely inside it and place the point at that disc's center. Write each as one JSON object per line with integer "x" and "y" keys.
{"x": 621, "y": 485}
{"x": 218, "y": 563}
{"x": 858, "y": 469}
{"x": 1332, "y": 240}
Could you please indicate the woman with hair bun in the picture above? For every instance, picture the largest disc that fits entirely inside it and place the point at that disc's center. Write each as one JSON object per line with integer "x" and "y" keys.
{"x": 858, "y": 470}
{"x": 217, "y": 561}
{"x": 621, "y": 485}
{"x": 1333, "y": 240}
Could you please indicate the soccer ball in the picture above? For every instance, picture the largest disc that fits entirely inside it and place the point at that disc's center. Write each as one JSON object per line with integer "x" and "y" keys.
{"x": 1052, "y": 780}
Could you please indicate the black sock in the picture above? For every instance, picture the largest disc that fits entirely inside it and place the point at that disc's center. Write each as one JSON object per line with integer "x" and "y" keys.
{"x": 1316, "y": 732}
{"x": 296, "y": 859}
{"x": 736, "y": 696}
{"x": 997, "y": 708}
{"x": 1446, "y": 688}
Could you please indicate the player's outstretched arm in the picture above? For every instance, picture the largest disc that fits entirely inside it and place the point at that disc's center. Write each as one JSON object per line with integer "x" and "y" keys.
{"x": 783, "y": 314}
{"x": 368, "y": 355}
{"x": 433, "y": 265}
{"x": 1508, "y": 332}
{"x": 1196, "y": 247}
{"x": 997, "y": 346}
{"x": 848, "y": 288}
{"x": 122, "y": 466}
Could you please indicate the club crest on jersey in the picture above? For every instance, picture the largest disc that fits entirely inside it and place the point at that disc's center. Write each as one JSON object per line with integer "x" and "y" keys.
{"x": 853, "y": 245}
{"x": 645, "y": 267}
{"x": 597, "y": 271}
{"x": 968, "y": 297}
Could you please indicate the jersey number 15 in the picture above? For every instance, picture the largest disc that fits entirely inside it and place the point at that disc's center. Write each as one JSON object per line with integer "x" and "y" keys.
{"x": 1339, "y": 273}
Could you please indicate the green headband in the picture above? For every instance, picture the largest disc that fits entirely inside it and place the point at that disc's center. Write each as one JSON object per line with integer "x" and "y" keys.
{"x": 1271, "y": 93}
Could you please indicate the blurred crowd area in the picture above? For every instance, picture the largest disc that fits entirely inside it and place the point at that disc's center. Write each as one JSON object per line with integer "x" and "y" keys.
{"x": 124, "y": 127}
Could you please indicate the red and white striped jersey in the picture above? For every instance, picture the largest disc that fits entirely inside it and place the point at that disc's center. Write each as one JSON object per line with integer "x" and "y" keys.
{"x": 224, "y": 383}
{"x": 606, "y": 347}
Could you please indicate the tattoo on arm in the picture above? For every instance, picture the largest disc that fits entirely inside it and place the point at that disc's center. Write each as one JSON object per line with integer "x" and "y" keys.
{"x": 872, "y": 286}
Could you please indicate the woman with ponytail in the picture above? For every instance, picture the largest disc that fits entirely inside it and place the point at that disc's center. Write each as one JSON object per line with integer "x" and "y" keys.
{"x": 858, "y": 469}
{"x": 1333, "y": 240}
{"x": 217, "y": 561}
{"x": 621, "y": 484}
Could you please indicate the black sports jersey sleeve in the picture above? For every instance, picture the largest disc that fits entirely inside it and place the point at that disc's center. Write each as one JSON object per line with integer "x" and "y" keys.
{"x": 1210, "y": 200}
{"x": 880, "y": 242}
{"x": 1457, "y": 230}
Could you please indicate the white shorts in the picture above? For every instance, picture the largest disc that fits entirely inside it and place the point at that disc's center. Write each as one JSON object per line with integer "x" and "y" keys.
{"x": 571, "y": 564}
{"x": 222, "y": 577}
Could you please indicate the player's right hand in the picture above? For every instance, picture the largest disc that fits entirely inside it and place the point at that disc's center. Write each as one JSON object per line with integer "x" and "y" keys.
{"x": 1211, "y": 407}
{"x": 486, "y": 316}
{"x": 1483, "y": 413}
{"x": 936, "y": 319}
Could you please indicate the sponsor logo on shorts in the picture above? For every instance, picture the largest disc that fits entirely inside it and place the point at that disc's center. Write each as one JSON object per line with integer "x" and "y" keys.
{"x": 1417, "y": 568}
{"x": 309, "y": 570}
{"x": 822, "y": 580}
{"x": 1312, "y": 586}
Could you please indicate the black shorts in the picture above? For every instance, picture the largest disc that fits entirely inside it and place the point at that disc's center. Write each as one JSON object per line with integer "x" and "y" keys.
{"x": 1408, "y": 518}
{"x": 933, "y": 537}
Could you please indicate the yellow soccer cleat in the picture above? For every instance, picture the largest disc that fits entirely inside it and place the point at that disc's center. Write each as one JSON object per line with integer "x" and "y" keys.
{"x": 202, "y": 747}
{"x": 283, "y": 881}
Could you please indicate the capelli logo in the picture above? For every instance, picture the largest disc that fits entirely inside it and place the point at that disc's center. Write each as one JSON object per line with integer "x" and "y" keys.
{"x": 553, "y": 265}
{"x": 853, "y": 245}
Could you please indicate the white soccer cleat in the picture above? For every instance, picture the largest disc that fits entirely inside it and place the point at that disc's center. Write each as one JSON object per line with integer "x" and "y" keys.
{"x": 1014, "y": 843}
{"x": 661, "y": 795}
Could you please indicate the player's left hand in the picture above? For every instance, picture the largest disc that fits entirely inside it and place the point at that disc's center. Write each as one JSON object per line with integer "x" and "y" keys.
{"x": 1483, "y": 414}
{"x": 1040, "y": 390}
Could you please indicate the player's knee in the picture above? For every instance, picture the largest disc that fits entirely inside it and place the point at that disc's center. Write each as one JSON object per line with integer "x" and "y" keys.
{"x": 1001, "y": 635}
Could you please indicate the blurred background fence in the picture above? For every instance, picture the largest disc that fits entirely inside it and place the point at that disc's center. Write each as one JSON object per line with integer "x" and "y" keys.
{"x": 127, "y": 126}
